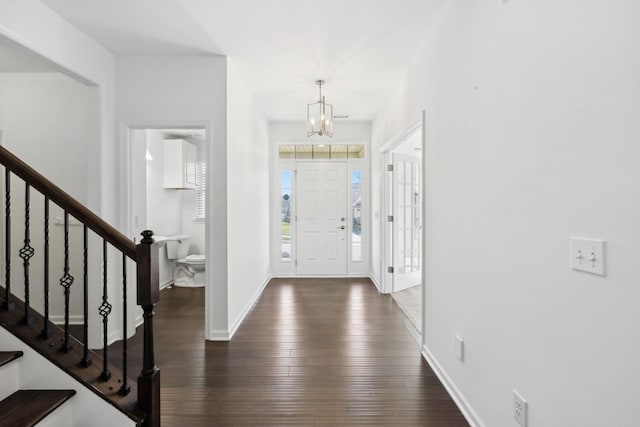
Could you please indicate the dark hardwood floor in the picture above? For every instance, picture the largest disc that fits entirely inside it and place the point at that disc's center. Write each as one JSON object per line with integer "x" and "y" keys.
{"x": 312, "y": 352}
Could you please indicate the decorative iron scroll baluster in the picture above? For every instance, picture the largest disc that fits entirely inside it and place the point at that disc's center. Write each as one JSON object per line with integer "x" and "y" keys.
{"x": 125, "y": 389}
{"x": 66, "y": 281}
{"x": 26, "y": 253}
{"x": 104, "y": 310}
{"x": 46, "y": 330}
{"x": 145, "y": 257}
{"x": 8, "y": 304}
{"x": 86, "y": 360}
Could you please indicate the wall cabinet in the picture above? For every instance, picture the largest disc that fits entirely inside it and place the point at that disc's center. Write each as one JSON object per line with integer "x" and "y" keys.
{"x": 180, "y": 158}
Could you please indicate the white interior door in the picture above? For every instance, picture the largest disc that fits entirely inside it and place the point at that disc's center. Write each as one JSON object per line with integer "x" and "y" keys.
{"x": 407, "y": 222}
{"x": 322, "y": 218}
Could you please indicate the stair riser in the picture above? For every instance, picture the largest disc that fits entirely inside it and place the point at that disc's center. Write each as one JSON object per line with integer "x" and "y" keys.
{"x": 9, "y": 378}
{"x": 36, "y": 372}
{"x": 61, "y": 417}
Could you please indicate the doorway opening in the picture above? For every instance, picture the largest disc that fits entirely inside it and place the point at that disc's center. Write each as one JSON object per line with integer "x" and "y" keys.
{"x": 403, "y": 231}
{"x": 320, "y": 225}
{"x": 166, "y": 187}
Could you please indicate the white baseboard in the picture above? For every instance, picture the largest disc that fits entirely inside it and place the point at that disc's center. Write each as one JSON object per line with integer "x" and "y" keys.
{"x": 73, "y": 320}
{"x": 165, "y": 284}
{"x": 224, "y": 335}
{"x": 248, "y": 307}
{"x": 114, "y": 336}
{"x": 375, "y": 282}
{"x": 320, "y": 276}
{"x": 471, "y": 416}
{"x": 218, "y": 335}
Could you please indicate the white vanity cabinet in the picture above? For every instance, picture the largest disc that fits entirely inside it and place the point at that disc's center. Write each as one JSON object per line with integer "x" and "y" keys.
{"x": 180, "y": 158}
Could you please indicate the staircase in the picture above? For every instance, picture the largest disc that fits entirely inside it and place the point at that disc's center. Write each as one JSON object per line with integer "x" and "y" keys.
{"x": 47, "y": 376}
{"x": 25, "y": 408}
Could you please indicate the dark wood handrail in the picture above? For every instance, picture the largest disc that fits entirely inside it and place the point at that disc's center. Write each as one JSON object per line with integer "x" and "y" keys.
{"x": 145, "y": 255}
{"x": 68, "y": 203}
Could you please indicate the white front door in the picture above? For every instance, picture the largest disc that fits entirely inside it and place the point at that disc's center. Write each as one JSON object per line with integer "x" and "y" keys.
{"x": 322, "y": 218}
{"x": 407, "y": 222}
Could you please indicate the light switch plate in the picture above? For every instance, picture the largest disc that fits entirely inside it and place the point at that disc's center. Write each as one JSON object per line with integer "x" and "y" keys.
{"x": 458, "y": 345}
{"x": 587, "y": 255}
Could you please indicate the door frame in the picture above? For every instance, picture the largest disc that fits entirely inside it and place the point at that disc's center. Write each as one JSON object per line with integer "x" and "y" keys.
{"x": 354, "y": 268}
{"x": 126, "y": 196}
{"x": 386, "y": 228}
{"x": 386, "y": 231}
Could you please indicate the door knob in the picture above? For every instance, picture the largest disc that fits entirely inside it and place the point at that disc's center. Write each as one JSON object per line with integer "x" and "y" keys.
{"x": 341, "y": 227}
{"x": 342, "y": 219}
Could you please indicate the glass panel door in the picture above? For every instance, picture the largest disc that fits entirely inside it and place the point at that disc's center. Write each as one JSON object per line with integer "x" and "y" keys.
{"x": 407, "y": 222}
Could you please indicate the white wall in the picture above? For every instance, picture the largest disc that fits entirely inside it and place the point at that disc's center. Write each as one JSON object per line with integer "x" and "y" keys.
{"x": 248, "y": 199}
{"x": 187, "y": 92}
{"x": 37, "y": 28}
{"x": 346, "y": 131}
{"x": 532, "y": 137}
{"x": 44, "y": 117}
{"x": 164, "y": 205}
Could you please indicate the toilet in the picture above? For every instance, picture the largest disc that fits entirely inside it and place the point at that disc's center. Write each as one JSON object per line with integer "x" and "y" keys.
{"x": 189, "y": 269}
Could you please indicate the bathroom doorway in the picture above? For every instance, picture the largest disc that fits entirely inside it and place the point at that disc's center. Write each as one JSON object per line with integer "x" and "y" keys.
{"x": 166, "y": 193}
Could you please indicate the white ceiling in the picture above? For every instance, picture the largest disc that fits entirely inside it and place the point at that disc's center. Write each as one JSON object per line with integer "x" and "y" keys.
{"x": 362, "y": 48}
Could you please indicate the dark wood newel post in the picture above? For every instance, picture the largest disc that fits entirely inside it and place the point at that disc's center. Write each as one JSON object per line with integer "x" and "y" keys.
{"x": 148, "y": 295}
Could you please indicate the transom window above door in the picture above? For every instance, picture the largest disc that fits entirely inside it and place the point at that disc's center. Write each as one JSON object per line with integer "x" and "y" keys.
{"x": 321, "y": 151}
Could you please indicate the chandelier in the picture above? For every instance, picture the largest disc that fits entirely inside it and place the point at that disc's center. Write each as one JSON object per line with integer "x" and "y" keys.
{"x": 320, "y": 116}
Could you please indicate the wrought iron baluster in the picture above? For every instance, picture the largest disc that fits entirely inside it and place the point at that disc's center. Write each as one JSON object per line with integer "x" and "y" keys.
{"x": 66, "y": 281}
{"x": 104, "y": 310}
{"x": 8, "y": 304}
{"x": 86, "y": 360}
{"x": 125, "y": 389}
{"x": 26, "y": 253}
{"x": 46, "y": 330}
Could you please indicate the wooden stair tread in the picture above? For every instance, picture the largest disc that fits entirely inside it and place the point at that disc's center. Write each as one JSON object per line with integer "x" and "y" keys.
{"x": 12, "y": 321}
{"x": 25, "y": 408}
{"x": 9, "y": 356}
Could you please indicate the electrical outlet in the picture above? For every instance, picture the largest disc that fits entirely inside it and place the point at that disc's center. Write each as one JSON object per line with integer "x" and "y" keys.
{"x": 519, "y": 409}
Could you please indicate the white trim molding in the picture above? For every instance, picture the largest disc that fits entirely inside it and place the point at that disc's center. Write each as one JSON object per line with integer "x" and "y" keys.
{"x": 470, "y": 415}
{"x": 248, "y": 307}
{"x": 166, "y": 284}
{"x": 74, "y": 319}
{"x": 218, "y": 335}
{"x": 375, "y": 282}
{"x": 221, "y": 334}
